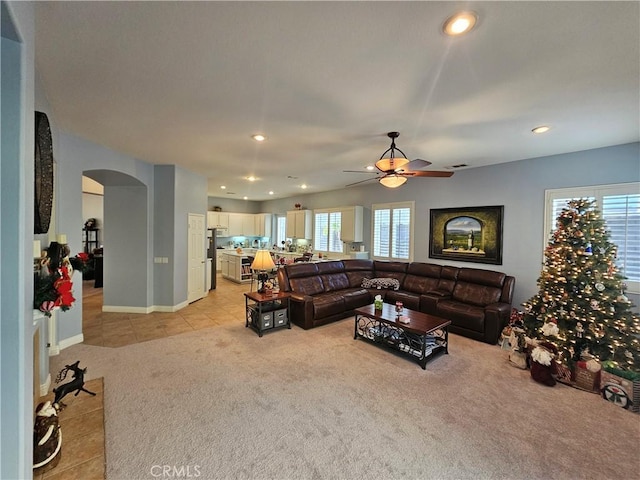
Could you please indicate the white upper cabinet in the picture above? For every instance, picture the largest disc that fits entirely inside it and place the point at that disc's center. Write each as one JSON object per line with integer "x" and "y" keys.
{"x": 299, "y": 224}
{"x": 351, "y": 224}
{"x": 263, "y": 224}
{"x": 217, "y": 220}
{"x": 242, "y": 224}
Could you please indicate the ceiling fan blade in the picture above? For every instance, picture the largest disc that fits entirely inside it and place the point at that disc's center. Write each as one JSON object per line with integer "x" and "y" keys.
{"x": 427, "y": 173}
{"x": 361, "y": 181}
{"x": 416, "y": 164}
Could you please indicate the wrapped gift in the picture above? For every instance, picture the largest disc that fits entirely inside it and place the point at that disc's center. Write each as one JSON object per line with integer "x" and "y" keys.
{"x": 586, "y": 376}
{"x": 562, "y": 373}
{"x": 621, "y": 388}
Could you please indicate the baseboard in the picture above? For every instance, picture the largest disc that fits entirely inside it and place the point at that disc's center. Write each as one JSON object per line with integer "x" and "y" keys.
{"x": 144, "y": 310}
{"x": 119, "y": 309}
{"x": 67, "y": 342}
{"x": 44, "y": 387}
{"x": 170, "y": 308}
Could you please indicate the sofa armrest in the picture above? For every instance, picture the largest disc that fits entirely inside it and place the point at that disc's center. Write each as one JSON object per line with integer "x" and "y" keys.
{"x": 429, "y": 301}
{"x": 301, "y": 310}
{"x": 496, "y": 317}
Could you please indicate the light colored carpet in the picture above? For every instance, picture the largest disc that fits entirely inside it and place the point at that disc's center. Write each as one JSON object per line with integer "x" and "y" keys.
{"x": 222, "y": 403}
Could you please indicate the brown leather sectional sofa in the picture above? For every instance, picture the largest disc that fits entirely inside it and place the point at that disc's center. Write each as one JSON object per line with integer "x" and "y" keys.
{"x": 478, "y": 302}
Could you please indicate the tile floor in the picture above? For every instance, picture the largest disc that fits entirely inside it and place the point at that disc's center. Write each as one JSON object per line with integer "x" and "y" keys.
{"x": 82, "y": 425}
{"x": 223, "y": 305}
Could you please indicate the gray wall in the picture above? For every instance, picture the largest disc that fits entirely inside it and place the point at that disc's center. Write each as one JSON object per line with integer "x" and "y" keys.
{"x": 190, "y": 197}
{"x": 519, "y": 186}
{"x": 163, "y": 228}
{"x": 16, "y": 237}
{"x": 126, "y": 247}
{"x": 178, "y": 193}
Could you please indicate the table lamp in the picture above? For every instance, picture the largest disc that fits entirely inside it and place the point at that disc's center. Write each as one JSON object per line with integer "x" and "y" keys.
{"x": 262, "y": 263}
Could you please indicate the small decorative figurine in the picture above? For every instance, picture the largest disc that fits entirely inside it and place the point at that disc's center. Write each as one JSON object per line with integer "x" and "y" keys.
{"x": 76, "y": 384}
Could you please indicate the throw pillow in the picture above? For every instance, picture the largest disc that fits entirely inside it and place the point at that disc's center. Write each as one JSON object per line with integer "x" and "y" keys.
{"x": 381, "y": 283}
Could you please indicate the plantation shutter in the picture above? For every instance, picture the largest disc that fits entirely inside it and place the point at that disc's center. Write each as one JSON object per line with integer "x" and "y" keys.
{"x": 392, "y": 231}
{"x": 321, "y": 232}
{"x": 622, "y": 215}
{"x": 401, "y": 233}
{"x": 335, "y": 224}
{"x": 619, "y": 206}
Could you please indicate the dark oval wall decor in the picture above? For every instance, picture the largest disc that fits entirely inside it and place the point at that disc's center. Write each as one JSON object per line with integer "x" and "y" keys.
{"x": 43, "y": 175}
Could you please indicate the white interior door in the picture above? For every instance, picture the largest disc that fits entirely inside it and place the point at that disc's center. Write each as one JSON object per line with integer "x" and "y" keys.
{"x": 196, "y": 253}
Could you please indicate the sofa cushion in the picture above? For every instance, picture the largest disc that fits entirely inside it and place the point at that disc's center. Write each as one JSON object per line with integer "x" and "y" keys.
{"x": 478, "y": 287}
{"x": 474, "y": 294}
{"x": 356, "y": 297}
{"x": 327, "y": 304}
{"x": 356, "y": 277}
{"x": 408, "y": 299}
{"x": 308, "y": 285}
{"x": 335, "y": 281}
{"x": 463, "y": 315}
{"x": 397, "y": 270}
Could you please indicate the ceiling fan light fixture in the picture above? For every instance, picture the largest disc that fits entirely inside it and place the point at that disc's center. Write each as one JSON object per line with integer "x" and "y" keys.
{"x": 393, "y": 181}
{"x": 391, "y": 163}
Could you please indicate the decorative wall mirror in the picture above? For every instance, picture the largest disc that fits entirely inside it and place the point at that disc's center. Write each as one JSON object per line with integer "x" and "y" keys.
{"x": 43, "y": 175}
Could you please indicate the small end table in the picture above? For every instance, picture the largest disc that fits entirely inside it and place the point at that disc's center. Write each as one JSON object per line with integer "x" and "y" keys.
{"x": 259, "y": 306}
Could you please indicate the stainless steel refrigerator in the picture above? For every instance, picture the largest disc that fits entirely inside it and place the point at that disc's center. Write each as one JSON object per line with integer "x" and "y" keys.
{"x": 211, "y": 255}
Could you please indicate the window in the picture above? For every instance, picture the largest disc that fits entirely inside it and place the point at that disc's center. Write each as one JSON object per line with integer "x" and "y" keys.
{"x": 281, "y": 230}
{"x": 392, "y": 231}
{"x": 327, "y": 224}
{"x": 619, "y": 206}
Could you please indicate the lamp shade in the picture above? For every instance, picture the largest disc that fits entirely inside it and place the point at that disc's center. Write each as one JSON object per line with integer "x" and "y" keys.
{"x": 393, "y": 163}
{"x": 263, "y": 261}
{"x": 393, "y": 181}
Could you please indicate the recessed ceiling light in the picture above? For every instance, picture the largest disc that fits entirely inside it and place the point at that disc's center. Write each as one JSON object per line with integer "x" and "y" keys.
{"x": 251, "y": 178}
{"x": 223, "y": 187}
{"x": 303, "y": 186}
{"x": 460, "y": 23}
{"x": 271, "y": 192}
{"x": 245, "y": 198}
{"x": 370, "y": 167}
{"x": 258, "y": 137}
{"x": 541, "y": 129}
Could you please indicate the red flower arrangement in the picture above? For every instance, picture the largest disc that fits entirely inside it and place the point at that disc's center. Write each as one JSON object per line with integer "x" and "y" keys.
{"x": 52, "y": 279}
{"x": 53, "y": 291}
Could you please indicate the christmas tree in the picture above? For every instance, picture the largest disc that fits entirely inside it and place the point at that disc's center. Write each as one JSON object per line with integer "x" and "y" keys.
{"x": 581, "y": 307}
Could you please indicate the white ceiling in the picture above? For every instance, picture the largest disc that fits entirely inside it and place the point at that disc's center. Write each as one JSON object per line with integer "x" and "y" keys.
{"x": 188, "y": 83}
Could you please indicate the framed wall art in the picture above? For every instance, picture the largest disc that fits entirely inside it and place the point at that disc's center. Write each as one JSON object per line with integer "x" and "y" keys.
{"x": 43, "y": 175}
{"x": 468, "y": 234}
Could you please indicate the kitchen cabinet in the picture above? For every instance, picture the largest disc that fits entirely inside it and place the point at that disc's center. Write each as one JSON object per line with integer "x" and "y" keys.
{"x": 299, "y": 224}
{"x": 241, "y": 224}
{"x": 351, "y": 224}
{"x": 236, "y": 267}
{"x": 224, "y": 265}
{"x": 263, "y": 224}
{"x": 219, "y": 255}
{"x": 218, "y": 220}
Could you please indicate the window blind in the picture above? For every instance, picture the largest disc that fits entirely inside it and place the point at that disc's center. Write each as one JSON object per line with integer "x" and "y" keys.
{"x": 392, "y": 231}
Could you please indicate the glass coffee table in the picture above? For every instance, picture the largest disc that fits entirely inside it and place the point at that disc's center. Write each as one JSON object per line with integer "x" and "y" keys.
{"x": 421, "y": 338}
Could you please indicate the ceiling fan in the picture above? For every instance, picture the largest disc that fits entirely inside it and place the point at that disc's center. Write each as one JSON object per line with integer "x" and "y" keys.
{"x": 394, "y": 170}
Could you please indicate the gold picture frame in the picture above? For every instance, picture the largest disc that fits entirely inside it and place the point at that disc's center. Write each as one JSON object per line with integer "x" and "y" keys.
{"x": 467, "y": 234}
